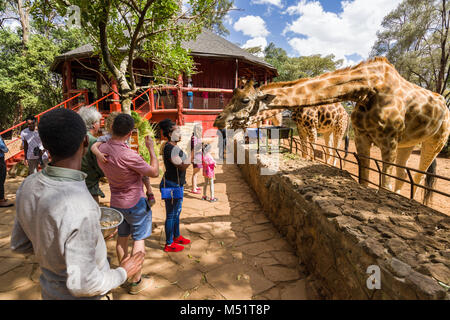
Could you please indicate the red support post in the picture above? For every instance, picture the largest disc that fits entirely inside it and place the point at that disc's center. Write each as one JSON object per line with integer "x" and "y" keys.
{"x": 180, "y": 100}
{"x": 67, "y": 79}
{"x": 152, "y": 100}
{"x": 86, "y": 98}
{"x": 115, "y": 105}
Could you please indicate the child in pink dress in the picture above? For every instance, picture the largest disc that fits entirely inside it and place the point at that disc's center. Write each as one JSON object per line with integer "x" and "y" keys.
{"x": 208, "y": 164}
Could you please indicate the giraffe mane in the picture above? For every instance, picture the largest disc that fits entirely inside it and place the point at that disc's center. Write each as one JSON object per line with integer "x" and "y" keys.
{"x": 283, "y": 84}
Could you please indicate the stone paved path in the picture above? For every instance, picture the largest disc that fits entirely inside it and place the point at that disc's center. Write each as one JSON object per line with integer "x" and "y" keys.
{"x": 235, "y": 252}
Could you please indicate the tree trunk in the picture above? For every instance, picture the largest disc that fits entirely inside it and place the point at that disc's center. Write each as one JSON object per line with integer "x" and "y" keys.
{"x": 25, "y": 22}
{"x": 126, "y": 105}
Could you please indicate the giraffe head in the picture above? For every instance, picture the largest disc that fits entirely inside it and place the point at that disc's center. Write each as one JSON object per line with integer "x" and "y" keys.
{"x": 246, "y": 102}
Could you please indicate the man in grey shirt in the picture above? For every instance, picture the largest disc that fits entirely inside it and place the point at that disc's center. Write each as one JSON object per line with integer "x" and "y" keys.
{"x": 58, "y": 219}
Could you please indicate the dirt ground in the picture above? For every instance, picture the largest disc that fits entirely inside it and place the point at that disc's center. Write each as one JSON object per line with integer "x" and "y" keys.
{"x": 438, "y": 202}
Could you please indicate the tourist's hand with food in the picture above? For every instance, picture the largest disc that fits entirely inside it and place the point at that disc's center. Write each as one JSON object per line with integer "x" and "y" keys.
{"x": 149, "y": 143}
{"x": 112, "y": 235}
{"x": 132, "y": 264}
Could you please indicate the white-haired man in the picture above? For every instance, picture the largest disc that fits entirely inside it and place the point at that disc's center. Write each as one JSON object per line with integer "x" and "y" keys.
{"x": 91, "y": 118}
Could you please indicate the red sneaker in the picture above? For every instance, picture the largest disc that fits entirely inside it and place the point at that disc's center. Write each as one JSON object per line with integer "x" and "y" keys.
{"x": 173, "y": 247}
{"x": 181, "y": 240}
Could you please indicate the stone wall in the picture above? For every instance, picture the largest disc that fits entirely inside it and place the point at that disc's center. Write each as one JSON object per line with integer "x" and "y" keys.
{"x": 340, "y": 228}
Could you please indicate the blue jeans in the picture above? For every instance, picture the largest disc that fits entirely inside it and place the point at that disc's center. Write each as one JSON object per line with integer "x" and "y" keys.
{"x": 173, "y": 211}
{"x": 191, "y": 101}
{"x": 137, "y": 221}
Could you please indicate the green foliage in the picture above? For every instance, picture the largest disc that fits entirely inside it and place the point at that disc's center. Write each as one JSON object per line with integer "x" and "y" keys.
{"x": 145, "y": 129}
{"x": 215, "y": 18}
{"x": 26, "y": 84}
{"x": 254, "y": 50}
{"x": 25, "y": 78}
{"x": 299, "y": 67}
{"x": 415, "y": 38}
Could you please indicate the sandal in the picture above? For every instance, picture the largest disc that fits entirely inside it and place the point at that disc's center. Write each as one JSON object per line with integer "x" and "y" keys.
{"x": 5, "y": 204}
{"x": 213, "y": 200}
{"x": 196, "y": 191}
{"x": 204, "y": 198}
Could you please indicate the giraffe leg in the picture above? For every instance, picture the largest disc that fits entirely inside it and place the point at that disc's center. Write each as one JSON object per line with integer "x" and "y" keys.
{"x": 303, "y": 140}
{"x": 338, "y": 134}
{"x": 430, "y": 150}
{"x": 337, "y": 137}
{"x": 363, "y": 144}
{"x": 312, "y": 136}
{"x": 403, "y": 155}
{"x": 326, "y": 137}
{"x": 388, "y": 154}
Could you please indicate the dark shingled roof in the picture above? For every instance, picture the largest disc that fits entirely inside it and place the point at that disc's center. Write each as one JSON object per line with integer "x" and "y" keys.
{"x": 207, "y": 44}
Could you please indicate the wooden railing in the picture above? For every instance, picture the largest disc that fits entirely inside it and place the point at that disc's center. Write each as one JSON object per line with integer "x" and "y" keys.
{"x": 65, "y": 103}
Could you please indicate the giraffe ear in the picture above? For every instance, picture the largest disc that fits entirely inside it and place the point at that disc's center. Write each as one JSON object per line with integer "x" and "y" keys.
{"x": 250, "y": 83}
{"x": 267, "y": 98}
{"x": 236, "y": 91}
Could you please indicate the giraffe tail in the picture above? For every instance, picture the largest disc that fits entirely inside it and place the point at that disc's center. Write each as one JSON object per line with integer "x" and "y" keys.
{"x": 430, "y": 182}
{"x": 347, "y": 139}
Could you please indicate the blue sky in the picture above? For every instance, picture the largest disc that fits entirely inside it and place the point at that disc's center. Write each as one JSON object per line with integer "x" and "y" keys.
{"x": 304, "y": 27}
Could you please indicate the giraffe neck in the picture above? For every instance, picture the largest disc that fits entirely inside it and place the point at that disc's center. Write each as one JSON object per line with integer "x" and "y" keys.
{"x": 351, "y": 84}
{"x": 264, "y": 115}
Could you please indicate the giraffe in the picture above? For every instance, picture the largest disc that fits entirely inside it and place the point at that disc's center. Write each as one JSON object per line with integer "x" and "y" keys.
{"x": 331, "y": 120}
{"x": 391, "y": 112}
{"x": 275, "y": 116}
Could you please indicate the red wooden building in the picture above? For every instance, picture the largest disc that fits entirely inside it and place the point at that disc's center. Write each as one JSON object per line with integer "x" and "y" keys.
{"x": 219, "y": 65}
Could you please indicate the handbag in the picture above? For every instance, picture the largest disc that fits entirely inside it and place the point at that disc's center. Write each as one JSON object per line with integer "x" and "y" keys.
{"x": 172, "y": 192}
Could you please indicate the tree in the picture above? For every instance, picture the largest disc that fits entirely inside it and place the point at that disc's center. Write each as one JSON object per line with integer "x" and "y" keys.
{"x": 153, "y": 30}
{"x": 254, "y": 50}
{"x": 292, "y": 68}
{"x": 214, "y": 21}
{"x": 415, "y": 38}
{"x": 26, "y": 84}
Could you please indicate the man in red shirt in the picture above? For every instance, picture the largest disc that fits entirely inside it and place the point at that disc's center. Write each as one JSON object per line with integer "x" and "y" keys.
{"x": 124, "y": 170}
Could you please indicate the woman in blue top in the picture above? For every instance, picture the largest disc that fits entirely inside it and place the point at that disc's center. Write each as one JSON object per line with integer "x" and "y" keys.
{"x": 190, "y": 95}
{"x": 3, "y": 150}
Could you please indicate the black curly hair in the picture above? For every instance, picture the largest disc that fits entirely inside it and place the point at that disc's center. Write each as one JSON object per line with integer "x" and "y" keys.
{"x": 166, "y": 126}
{"x": 62, "y": 131}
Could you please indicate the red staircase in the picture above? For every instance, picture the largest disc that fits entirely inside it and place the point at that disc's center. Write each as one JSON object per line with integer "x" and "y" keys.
{"x": 144, "y": 109}
{"x": 16, "y": 155}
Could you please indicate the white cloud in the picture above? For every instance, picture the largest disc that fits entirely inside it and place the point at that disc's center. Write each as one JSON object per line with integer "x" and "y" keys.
{"x": 228, "y": 19}
{"x": 276, "y": 3}
{"x": 256, "y": 42}
{"x": 352, "y": 31}
{"x": 252, "y": 26}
